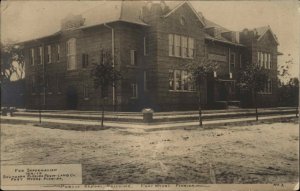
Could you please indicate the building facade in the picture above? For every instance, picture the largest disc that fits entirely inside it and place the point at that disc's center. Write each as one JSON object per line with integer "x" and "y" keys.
{"x": 151, "y": 44}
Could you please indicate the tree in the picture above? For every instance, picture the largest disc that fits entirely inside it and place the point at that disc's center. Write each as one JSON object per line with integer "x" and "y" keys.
{"x": 252, "y": 79}
{"x": 200, "y": 69}
{"x": 104, "y": 76}
{"x": 12, "y": 62}
{"x": 12, "y": 65}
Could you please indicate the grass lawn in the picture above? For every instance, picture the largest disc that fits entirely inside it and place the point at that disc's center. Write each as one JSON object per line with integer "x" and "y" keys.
{"x": 261, "y": 153}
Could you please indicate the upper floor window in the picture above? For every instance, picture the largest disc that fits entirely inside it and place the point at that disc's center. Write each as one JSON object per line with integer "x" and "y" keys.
{"x": 85, "y": 60}
{"x": 49, "y": 55}
{"x": 32, "y": 56}
{"x": 232, "y": 60}
{"x": 264, "y": 60}
{"x": 181, "y": 46}
{"x": 40, "y": 56}
{"x": 146, "y": 46}
{"x": 71, "y": 54}
{"x": 58, "y": 53}
{"x": 133, "y": 57}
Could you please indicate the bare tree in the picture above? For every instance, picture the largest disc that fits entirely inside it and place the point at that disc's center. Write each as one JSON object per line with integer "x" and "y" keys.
{"x": 252, "y": 79}
{"x": 12, "y": 62}
{"x": 200, "y": 69}
{"x": 104, "y": 76}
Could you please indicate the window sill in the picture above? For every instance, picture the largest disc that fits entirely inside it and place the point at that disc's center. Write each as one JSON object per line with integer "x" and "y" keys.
{"x": 50, "y": 93}
{"x": 86, "y": 99}
{"x": 183, "y": 91}
{"x": 189, "y": 58}
{"x": 135, "y": 98}
{"x": 59, "y": 93}
{"x": 264, "y": 93}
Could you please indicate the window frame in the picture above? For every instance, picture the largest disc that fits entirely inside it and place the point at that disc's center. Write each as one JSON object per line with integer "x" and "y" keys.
{"x": 71, "y": 54}
{"x": 134, "y": 91}
{"x": 133, "y": 57}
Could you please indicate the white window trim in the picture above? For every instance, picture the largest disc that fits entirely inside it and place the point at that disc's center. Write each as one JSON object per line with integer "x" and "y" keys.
{"x": 70, "y": 54}
{"x": 32, "y": 61}
{"x": 133, "y": 55}
{"x": 181, "y": 82}
{"x": 174, "y": 46}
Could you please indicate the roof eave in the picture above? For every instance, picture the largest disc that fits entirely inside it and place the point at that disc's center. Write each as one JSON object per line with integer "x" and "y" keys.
{"x": 231, "y": 43}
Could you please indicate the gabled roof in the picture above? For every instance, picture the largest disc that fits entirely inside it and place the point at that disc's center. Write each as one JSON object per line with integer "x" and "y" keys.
{"x": 174, "y": 8}
{"x": 261, "y": 31}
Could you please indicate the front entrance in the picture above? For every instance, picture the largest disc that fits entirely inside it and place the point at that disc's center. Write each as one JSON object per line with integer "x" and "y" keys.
{"x": 226, "y": 90}
{"x": 72, "y": 98}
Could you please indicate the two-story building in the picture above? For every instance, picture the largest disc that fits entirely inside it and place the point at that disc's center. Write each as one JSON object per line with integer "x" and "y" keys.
{"x": 151, "y": 44}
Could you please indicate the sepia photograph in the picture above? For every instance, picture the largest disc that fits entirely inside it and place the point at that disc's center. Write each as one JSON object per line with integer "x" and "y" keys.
{"x": 150, "y": 95}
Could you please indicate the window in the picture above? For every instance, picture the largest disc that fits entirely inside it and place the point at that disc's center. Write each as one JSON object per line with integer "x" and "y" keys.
{"x": 171, "y": 79}
{"x": 133, "y": 57}
{"x": 184, "y": 46}
{"x": 171, "y": 45}
{"x": 182, "y": 21}
{"x": 85, "y": 60}
{"x": 191, "y": 47}
{"x": 180, "y": 80}
{"x": 40, "y": 55}
{"x": 58, "y": 53}
{"x": 146, "y": 46}
{"x": 269, "y": 60}
{"x": 184, "y": 79}
{"x": 232, "y": 60}
{"x": 85, "y": 91}
{"x": 267, "y": 89}
{"x": 32, "y": 56}
{"x": 181, "y": 46}
{"x": 177, "y": 46}
{"x": 134, "y": 88}
{"x": 71, "y": 54}
{"x": 49, "y": 57}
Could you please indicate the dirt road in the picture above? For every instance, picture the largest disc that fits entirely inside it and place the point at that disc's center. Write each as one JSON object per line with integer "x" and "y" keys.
{"x": 263, "y": 153}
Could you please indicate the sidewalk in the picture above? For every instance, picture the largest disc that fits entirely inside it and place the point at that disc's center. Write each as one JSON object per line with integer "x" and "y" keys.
{"x": 155, "y": 126}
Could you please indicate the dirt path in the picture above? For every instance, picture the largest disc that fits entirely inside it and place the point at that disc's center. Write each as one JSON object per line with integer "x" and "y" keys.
{"x": 266, "y": 153}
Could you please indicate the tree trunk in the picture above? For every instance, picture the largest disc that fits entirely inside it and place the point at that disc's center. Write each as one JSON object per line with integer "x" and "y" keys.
{"x": 256, "y": 107}
{"x": 199, "y": 107}
{"x": 102, "y": 118}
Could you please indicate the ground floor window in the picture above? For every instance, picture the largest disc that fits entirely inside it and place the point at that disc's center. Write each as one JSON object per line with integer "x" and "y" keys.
{"x": 180, "y": 80}
{"x": 85, "y": 91}
{"x": 267, "y": 89}
{"x": 134, "y": 90}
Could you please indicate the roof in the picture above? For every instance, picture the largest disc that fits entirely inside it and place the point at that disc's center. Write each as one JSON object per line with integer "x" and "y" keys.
{"x": 111, "y": 11}
{"x": 261, "y": 31}
{"x": 174, "y": 7}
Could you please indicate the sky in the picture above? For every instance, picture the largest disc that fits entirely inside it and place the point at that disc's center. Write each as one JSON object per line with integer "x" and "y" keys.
{"x": 23, "y": 20}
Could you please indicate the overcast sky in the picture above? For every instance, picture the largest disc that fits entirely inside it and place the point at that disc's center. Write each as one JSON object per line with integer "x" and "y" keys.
{"x": 23, "y": 20}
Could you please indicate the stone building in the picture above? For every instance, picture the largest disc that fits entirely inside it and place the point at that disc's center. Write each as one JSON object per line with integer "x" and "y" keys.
{"x": 151, "y": 42}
